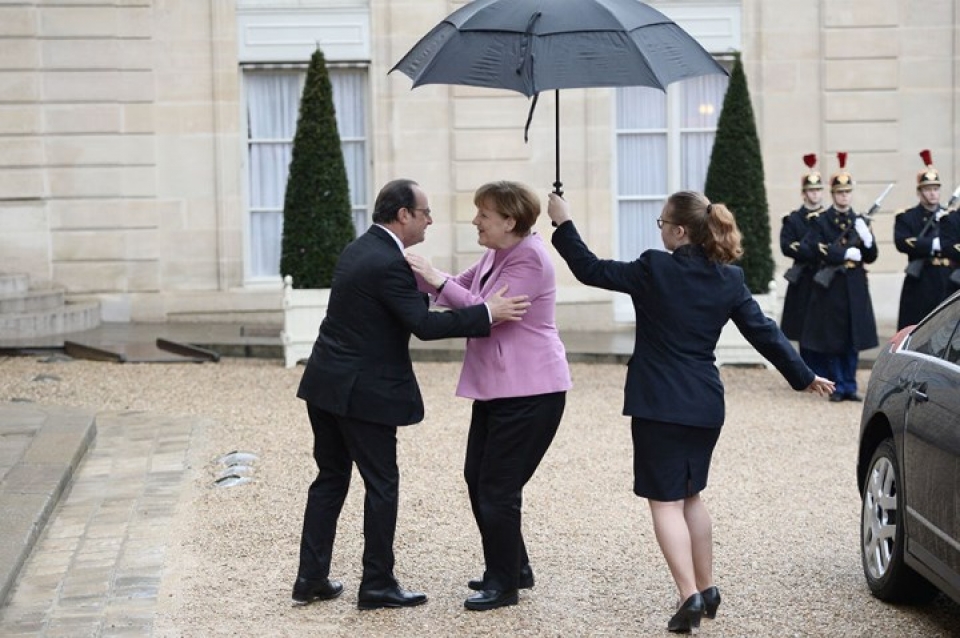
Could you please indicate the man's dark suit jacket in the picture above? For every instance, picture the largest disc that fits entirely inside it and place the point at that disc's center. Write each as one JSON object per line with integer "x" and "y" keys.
{"x": 360, "y": 365}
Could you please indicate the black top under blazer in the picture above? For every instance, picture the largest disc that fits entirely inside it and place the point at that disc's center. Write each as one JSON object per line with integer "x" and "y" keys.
{"x": 360, "y": 364}
{"x": 682, "y": 301}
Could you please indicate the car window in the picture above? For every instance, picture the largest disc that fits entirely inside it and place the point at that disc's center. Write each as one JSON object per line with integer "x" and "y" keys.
{"x": 935, "y": 336}
{"x": 953, "y": 353}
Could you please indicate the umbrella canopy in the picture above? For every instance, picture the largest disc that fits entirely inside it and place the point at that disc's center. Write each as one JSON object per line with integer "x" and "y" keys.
{"x": 529, "y": 46}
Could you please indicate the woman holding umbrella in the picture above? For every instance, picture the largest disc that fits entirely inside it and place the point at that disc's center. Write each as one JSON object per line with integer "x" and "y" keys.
{"x": 673, "y": 391}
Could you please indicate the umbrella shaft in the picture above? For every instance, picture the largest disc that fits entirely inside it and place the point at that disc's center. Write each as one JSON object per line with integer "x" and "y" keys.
{"x": 557, "y": 185}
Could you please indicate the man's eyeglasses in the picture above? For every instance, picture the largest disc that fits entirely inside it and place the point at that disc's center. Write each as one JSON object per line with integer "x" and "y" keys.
{"x": 661, "y": 221}
{"x": 425, "y": 211}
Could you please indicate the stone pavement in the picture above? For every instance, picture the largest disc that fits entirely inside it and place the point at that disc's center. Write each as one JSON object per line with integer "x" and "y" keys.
{"x": 95, "y": 568}
{"x": 40, "y": 447}
{"x": 85, "y": 498}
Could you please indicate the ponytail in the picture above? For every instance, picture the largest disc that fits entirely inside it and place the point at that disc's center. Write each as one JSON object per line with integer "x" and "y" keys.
{"x": 709, "y": 225}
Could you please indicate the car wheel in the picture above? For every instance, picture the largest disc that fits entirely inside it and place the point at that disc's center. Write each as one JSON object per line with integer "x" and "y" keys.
{"x": 882, "y": 534}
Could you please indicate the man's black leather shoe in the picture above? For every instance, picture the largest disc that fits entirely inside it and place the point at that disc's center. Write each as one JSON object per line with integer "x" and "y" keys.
{"x": 854, "y": 397}
{"x": 394, "y": 596}
{"x": 525, "y": 582}
{"x": 491, "y": 599}
{"x": 306, "y": 591}
{"x": 836, "y": 397}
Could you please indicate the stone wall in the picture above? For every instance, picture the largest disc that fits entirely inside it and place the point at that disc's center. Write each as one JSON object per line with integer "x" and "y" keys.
{"x": 121, "y": 141}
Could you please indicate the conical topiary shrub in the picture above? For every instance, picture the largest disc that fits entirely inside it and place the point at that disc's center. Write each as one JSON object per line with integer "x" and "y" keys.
{"x": 317, "y": 218}
{"x": 735, "y": 178}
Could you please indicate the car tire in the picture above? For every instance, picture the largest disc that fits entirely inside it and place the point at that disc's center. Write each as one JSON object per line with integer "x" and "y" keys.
{"x": 882, "y": 535}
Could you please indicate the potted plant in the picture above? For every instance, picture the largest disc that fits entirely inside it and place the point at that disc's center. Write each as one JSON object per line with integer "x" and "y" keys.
{"x": 317, "y": 216}
{"x": 735, "y": 178}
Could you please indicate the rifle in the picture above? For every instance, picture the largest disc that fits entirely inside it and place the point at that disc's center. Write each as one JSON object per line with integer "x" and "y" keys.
{"x": 915, "y": 266}
{"x": 792, "y": 275}
{"x": 824, "y": 276}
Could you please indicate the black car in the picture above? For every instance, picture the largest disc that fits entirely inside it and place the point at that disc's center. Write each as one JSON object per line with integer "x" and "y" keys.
{"x": 908, "y": 468}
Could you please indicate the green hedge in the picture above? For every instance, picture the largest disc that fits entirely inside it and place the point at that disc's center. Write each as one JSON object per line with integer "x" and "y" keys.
{"x": 735, "y": 178}
{"x": 317, "y": 217}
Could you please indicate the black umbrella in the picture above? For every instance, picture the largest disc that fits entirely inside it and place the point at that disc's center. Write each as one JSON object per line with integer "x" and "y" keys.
{"x": 531, "y": 46}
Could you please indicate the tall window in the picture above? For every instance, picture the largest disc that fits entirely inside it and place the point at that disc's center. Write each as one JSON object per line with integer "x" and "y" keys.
{"x": 664, "y": 141}
{"x": 272, "y": 99}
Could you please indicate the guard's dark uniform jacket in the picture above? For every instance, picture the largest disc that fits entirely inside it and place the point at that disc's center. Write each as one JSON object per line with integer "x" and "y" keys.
{"x": 913, "y": 233}
{"x": 950, "y": 245}
{"x": 840, "y": 317}
{"x": 794, "y": 229}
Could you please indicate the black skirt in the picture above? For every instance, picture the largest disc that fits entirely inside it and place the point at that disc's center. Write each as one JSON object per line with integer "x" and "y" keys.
{"x": 670, "y": 461}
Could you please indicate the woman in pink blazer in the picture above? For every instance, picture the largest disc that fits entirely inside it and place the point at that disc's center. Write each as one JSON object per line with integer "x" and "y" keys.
{"x": 517, "y": 378}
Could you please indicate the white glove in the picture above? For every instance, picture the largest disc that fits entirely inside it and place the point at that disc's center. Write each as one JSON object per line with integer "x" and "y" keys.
{"x": 935, "y": 248}
{"x": 864, "y": 231}
{"x": 853, "y": 254}
{"x": 941, "y": 214}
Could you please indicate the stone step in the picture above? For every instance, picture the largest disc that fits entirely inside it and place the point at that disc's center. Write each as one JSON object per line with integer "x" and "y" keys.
{"x": 33, "y": 300}
{"x": 13, "y": 283}
{"x": 72, "y": 317}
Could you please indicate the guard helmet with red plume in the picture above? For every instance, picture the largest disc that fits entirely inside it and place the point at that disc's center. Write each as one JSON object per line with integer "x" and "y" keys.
{"x": 842, "y": 180}
{"x": 811, "y": 179}
{"x": 929, "y": 176}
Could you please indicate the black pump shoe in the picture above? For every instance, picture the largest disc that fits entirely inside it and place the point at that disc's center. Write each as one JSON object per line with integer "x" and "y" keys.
{"x": 687, "y": 618}
{"x": 711, "y": 600}
{"x": 525, "y": 581}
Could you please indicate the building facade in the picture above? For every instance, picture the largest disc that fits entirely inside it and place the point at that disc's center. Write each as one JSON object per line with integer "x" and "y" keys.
{"x": 144, "y": 143}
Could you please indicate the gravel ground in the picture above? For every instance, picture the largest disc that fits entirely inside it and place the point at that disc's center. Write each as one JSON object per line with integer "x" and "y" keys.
{"x": 782, "y": 494}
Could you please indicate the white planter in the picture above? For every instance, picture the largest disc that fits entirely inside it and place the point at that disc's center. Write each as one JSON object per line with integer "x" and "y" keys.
{"x": 303, "y": 310}
{"x": 733, "y": 348}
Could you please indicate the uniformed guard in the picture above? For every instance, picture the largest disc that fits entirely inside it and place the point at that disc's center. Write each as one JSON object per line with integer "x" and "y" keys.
{"x": 839, "y": 322}
{"x": 800, "y": 274}
{"x": 916, "y": 233}
{"x": 950, "y": 244}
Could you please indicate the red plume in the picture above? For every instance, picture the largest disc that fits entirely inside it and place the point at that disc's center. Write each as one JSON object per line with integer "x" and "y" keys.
{"x": 810, "y": 160}
{"x": 926, "y": 157}
{"x": 842, "y": 158}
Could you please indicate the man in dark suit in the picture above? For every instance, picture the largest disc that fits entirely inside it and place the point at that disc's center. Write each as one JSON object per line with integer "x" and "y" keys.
{"x": 359, "y": 386}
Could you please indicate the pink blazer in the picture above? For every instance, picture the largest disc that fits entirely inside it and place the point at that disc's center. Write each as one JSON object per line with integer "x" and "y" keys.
{"x": 519, "y": 358}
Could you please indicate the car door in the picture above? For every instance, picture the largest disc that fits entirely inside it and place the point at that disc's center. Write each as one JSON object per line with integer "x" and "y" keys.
{"x": 931, "y": 446}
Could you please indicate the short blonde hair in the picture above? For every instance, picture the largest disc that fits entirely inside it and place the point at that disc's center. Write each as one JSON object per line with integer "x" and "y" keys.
{"x": 512, "y": 200}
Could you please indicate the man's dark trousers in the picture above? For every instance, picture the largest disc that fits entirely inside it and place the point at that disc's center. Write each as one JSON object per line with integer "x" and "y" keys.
{"x": 339, "y": 442}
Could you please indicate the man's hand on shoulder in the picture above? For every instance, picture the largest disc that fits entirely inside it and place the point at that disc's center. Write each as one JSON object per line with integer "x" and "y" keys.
{"x": 507, "y": 308}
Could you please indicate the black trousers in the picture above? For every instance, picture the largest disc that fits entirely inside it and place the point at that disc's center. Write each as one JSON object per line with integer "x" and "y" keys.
{"x": 338, "y": 443}
{"x": 507, "y": 440}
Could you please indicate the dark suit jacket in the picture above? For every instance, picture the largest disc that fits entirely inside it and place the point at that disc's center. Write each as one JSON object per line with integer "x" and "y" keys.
{"x": 360, "y": 365}
{"x": 682, "y": 301}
